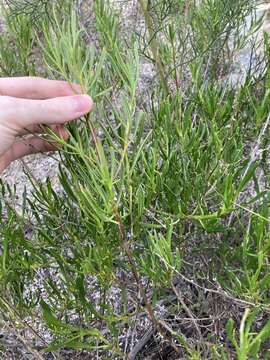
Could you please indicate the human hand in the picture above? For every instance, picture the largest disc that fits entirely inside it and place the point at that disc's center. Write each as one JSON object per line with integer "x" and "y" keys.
{"x": 26, "y": 104}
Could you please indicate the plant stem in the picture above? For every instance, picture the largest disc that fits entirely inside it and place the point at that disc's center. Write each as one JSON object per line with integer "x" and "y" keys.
{"x": 148, "y": 305}
{"x": 154, "y": 46}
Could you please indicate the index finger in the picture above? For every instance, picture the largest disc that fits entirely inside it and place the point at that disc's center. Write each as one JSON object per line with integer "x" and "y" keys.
{"x": 37, "y": 88}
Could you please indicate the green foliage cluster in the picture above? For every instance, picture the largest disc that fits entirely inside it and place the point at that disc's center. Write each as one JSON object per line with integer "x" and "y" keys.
{"x": 164, "y": 191}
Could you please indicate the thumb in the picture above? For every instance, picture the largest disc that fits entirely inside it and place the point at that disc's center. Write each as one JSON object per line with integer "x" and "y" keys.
{"x": 24, "y": 112}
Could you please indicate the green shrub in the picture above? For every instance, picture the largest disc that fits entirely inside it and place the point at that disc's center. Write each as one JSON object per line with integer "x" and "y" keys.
{"x": 164, "y": 195}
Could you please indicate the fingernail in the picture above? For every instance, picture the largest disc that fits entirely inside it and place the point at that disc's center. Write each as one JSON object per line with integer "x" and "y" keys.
{"x": 82, "y": 104}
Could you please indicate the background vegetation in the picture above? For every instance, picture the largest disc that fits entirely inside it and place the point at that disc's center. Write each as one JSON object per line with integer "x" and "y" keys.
{"x": 157, "y": 245}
